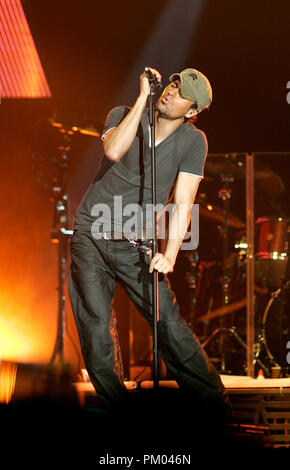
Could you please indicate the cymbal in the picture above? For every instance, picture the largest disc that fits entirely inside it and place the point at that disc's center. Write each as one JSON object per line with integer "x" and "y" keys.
{"x": 223, "y": 166}
{"x": 229, "y": 308}
{"x": 217, "y": 215}
{"x": 266, "y": 179}
{"x": 225, "y": 310}
{"x": 269, "y": 182}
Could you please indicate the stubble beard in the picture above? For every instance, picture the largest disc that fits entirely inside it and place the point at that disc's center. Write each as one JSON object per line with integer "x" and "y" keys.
{"x": 163, "y": 113}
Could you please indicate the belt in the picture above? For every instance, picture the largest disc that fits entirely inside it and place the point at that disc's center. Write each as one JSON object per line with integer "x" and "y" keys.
{"x": 143, "y": 244}
{"x": 119, "y": 236}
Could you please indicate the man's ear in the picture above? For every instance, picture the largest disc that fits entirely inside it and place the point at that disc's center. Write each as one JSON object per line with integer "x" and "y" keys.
{"x": 190, "y": 113}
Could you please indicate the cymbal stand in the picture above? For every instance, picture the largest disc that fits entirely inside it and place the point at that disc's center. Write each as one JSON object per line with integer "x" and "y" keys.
{"x": 225, "y": 195}
{"x": 60, "y": 234}
{"x": 191, "y": 279}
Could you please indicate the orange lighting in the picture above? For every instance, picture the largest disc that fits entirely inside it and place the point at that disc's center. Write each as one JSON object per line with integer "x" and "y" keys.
{"x": 7, "y": 381}
{"x": 13, "y": 344}
{"x": 21, "y": 73}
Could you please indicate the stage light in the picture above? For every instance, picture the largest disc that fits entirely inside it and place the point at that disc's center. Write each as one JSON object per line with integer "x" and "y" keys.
{"x": 21, "y": 72}
{"x": 178, "y": 20}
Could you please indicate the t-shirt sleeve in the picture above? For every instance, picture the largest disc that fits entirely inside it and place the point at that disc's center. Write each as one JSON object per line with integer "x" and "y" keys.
{"x": 115, "y": 116}
{"x": 195, "y": 154}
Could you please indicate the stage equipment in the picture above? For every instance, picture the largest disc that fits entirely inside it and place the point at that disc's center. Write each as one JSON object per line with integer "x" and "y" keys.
{"x": 21, "y": 71}
{"x": 228, "y": 167}
{"x": 224, "y": 276}
{"x": 227, "y": 171}
{"x": 233, "y": 332}
{"x": 191, "y": 279}
{"x": 61, "y": 231}
{"x": 232, "y": 165}
{"x": 57, "y": 186}
{"x": 262, "y": 262}
{"x": 215, "y": 214}
{"x": 73, "y": 125}
{"x": 272, "y": 236}
{"x": 276, "y": 328}
{"x": 225, "y": 310}
{"x": 271, "y": 249}
{"x": 250, "y": 351}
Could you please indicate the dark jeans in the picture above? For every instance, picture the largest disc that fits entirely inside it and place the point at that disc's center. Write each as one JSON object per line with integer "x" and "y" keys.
{"x": 96, "y": 267}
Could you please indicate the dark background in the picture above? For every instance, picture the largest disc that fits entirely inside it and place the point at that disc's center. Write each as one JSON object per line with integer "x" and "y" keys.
{"x": 92, "y": 53}
{"x": 88, "y": 49}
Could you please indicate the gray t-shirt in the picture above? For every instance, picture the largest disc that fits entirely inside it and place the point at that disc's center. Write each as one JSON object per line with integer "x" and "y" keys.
{"x": 107, "y": 204}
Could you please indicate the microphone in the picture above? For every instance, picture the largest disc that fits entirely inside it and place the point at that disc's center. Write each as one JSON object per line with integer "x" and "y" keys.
{"x": 152, "y": 78}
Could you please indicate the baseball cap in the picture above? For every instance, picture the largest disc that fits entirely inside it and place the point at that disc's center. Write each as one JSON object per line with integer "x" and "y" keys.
{"x": 194, "y": 87}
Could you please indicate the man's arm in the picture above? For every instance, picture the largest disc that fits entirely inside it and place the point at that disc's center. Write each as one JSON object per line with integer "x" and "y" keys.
{"x": 118, "y": 140}
{"x": 183, "y": 198}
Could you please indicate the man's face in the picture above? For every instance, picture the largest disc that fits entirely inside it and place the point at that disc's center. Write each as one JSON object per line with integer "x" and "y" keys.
{"x": 172, "y": 105}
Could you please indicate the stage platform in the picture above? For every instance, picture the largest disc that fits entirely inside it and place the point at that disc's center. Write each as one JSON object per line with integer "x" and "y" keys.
{"x": 43, "y": 406}
{"x": 260, "y": 406}
{"x": 46, "y": 409}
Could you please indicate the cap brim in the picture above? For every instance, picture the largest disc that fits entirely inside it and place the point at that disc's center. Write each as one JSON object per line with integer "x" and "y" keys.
{"x": 174, "y": 76}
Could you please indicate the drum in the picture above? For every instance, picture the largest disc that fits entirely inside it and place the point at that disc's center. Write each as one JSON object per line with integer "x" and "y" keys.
{"x": 271, "y": 250}
{"x": 276, "y": 326}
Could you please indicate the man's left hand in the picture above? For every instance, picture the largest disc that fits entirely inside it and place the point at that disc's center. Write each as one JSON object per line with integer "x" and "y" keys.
{"x": 160, "y": 263}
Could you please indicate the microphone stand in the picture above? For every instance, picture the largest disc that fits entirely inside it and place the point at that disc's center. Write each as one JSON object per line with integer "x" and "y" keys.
{"x": 155, "y": 300}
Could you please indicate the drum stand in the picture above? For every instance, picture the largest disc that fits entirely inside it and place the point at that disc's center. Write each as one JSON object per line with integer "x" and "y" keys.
{"x": 233, "y": 333}
{"x": 225, "y": 196}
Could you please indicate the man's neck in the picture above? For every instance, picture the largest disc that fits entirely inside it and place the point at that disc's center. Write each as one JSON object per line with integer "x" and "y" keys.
{"x": 164, "y": 126}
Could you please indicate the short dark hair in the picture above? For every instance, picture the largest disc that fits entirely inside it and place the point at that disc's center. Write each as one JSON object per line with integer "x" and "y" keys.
{"x": 192, "y": 119}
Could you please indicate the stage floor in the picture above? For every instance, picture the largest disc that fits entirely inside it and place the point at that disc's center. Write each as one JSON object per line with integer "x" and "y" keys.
{"x": 261, "y": 407}
{"x": 66, "y": 423}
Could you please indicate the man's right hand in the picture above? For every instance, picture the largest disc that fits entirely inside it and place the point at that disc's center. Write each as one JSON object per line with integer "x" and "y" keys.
{"x": 144, "y": 82}
{"x": 119, "y": 139}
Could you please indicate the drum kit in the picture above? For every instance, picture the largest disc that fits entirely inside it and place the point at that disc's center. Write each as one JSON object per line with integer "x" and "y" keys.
{"x": 219, "y": 297}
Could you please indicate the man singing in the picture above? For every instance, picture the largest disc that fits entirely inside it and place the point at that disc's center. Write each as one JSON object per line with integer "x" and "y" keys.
{"x": 105, "y": 249}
